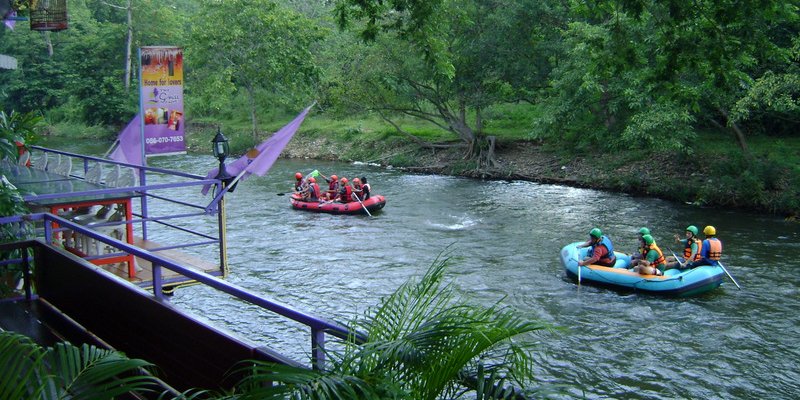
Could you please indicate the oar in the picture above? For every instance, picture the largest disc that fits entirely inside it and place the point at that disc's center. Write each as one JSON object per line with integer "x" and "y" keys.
{"x": 676, "y": 258}
{"x": 729, "y": 275}
{"x": 579, "y": 271}
{"x": 362, "y": 204}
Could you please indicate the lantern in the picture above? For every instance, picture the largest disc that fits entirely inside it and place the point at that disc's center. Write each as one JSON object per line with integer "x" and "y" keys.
{"x": 48, "y": 15}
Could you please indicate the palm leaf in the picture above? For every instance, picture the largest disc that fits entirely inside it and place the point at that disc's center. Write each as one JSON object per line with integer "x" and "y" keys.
{"x": 19, "y": 366}
{"x": 66, "y": 371}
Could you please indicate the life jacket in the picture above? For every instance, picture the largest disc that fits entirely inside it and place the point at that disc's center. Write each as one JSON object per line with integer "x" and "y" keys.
{"x": 365, "y": 191}
{"x": 314, "y": 191}
{"x": 714, "y": 248}
{"x": 333, "y": 186}
{"x": 346, "y": 194}
{"x": 609, "y": 259}
{"x": 660, "y": 260}
{"x": 687, "y": 251}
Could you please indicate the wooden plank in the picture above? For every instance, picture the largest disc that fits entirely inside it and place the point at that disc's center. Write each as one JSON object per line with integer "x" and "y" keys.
{"x": 144, "y": 269}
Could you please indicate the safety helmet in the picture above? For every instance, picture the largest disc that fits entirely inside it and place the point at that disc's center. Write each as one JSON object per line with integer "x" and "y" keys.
{"x": 648, "y": 240}
{"x": 312, "y": 180}
{"x": 709, "y": 231}
{"x": 644, "y": 231}
{"x": 356, "y": 180}
{"x": 334, "y": 177}
{"x": 298, "y": 176}
{"x": 344, "y": 181}
{"x": 596, "y": 232}
{"x": 693, "y": 229}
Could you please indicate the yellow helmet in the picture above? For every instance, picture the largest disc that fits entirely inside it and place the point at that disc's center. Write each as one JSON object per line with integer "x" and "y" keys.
{"x": 709, "y": 231}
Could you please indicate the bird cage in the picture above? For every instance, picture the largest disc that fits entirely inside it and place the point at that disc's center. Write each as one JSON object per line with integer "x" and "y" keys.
{"x": 48, "y": 15}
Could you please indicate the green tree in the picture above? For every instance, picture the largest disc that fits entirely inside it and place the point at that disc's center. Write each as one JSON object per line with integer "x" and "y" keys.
{"x": 644, "y": 73}
{"x": 252, "y": 47}
{"x": 495, "y": 54}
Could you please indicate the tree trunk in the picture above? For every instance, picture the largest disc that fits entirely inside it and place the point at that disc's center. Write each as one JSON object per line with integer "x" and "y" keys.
{"x": 48, "y": 43}
{"x": 128, "y": 44}
{"x": 251, "y": 97}
{"x": 737, "y": 132}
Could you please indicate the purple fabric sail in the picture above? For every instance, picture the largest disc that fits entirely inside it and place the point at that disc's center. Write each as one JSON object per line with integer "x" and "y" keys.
{"x": 258, "y": 162}
{"x": 129, "y": 148}
{"x": 10, "y": 19}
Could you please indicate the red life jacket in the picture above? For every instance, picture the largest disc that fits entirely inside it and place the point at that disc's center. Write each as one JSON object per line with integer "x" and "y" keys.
{"x": 687, "y": 251}
{"x": 314, "y": 191}
{"x": 346, "y": 194}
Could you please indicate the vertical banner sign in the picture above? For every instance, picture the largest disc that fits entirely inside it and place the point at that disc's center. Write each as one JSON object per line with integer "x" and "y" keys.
{"x": 161, "y": 100}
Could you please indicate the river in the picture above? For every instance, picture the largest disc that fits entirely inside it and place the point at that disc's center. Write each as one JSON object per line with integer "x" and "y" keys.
{"x": 505, "y": 237}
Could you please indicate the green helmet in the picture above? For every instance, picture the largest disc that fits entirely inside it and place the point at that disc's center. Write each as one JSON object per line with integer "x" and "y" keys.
{"x": 596, "y": 232}
{"x": 648, "y": 240}
{"x": 693, "y": 229}
{"x": 644, "y": 231}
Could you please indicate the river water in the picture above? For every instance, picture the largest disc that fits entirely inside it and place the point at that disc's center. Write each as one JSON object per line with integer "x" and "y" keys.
{"x": 505, "y": 237}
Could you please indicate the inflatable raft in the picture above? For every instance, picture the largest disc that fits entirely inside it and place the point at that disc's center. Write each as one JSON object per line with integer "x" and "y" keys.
{"x": 675, "y": 282}
{"x": 374, "y": 203}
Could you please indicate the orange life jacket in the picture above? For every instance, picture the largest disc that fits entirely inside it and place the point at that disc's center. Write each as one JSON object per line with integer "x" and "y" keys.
{"x": 714, "y": 249}
{"x": 660, "y": 260}
{"x": 687, "y": 251}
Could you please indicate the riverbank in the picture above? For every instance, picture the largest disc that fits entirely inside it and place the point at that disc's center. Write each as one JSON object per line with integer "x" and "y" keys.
{"x": 668, "y": 176}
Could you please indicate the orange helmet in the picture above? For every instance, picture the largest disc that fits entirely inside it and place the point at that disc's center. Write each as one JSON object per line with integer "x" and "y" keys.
{"x": 334, "y": 177}
{"x": 344, "y": 181}
{"x": 298, "y": 176}
{"x": 356, "y": 180}
{"x": 312, "y": 180}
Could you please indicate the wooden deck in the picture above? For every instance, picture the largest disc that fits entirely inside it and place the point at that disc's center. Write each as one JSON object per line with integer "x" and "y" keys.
{"x": 144, "y": 269}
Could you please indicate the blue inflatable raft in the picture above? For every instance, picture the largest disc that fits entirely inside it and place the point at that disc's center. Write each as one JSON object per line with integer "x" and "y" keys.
{"x": 674, "y": 283}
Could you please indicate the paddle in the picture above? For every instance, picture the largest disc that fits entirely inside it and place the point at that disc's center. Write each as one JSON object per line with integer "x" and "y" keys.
{"x": 367, "y": 211}
{"x": 729, "y": 275}
{"x": 676, "y": 258}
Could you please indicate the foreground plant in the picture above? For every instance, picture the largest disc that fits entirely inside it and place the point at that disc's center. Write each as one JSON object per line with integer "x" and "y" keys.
{"x": 424, "y": 342}
{"x": 30, "y": 371}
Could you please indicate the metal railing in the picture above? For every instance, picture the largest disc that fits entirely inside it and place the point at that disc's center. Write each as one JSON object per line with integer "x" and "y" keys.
{"x": 319, "y": 327}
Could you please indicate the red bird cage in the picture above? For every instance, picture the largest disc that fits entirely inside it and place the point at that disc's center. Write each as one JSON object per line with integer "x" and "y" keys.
{"x": 48, "y": 15}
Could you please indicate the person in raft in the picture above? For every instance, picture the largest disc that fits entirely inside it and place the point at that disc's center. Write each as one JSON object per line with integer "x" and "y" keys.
{"x": 365, "y": 188}
{"x": 312, "y": 191}
{"x": 692, "y": 246}
{"x": 602, "y": 251}
{"x": 652, "y": 261}
{"x": 711, "y": 249}
{"x": 358, "y": 189}
{"x": 333, "y": 186}
{"x": 299, "y": 181}
{"x": 637, "y": 255}
{"x": 345, "y": 192}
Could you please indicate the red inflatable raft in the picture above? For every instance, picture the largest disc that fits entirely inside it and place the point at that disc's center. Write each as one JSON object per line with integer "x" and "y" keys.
{"x": 374, "y": 203}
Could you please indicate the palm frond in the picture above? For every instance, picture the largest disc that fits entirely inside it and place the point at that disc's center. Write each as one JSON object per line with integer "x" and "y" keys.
{"x": 67, "y": 371}
{"x": 299, "y": 383}
{"x": 19, "y": 366}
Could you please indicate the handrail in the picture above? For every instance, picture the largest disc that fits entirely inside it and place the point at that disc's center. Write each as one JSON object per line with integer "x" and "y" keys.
{"x": 319, "y": 326}
{"x": 147, "y": 193}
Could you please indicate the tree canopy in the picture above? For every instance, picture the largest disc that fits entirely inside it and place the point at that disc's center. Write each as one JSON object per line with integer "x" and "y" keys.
{"x": 614, "y": 74}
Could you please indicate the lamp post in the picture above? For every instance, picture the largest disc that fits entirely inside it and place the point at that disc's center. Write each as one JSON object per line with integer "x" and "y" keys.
{"x": 221, "y": 149}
